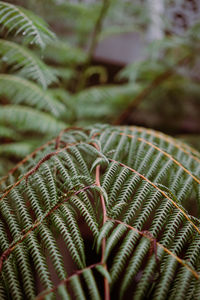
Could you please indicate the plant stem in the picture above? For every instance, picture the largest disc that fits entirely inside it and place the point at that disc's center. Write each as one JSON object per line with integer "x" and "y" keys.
{"x": 94, "y": 41}
{"x": 105, "y": 218}
{"x": 106, "y": 284}
{"x": 97, "y": 29}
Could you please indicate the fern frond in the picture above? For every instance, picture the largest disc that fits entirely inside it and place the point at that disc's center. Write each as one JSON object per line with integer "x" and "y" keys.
{"x": 19, "y": 149}
{"x": 22, "y": 91}
{"x": 66, "y": 74}
{"x": 6, "y": 132}
{"x": 26, "y": 63}
{"x": 21, "y": 21}
{"x": 28, "y": 119}
{"x": 108, "y": 98}
{"x": 116, "y": 202}
{"x": 64, "y": 53}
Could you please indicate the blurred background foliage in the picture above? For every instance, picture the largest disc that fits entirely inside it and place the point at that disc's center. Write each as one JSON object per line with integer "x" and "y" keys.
{"x": 109, "y": 61}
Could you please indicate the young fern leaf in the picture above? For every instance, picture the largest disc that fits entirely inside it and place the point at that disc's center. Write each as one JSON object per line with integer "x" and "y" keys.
{"x": 21, "y": 21}
{"x": 119, "y": 229}
{"x": 26, "y": 63}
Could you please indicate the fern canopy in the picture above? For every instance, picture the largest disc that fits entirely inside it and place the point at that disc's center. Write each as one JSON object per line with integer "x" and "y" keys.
{"x": 131, "y": 192}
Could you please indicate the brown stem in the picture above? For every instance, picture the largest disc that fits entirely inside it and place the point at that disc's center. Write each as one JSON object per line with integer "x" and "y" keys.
{"x": 147, "y": 90}
{"x": 103, "y": 247}
{"x": 94, "y": 41}
{"x": 106, "y": 284}
{"x": 97, "y": 29}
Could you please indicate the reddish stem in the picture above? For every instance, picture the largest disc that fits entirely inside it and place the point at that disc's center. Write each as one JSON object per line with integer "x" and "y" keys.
{"x": 106, "y": 284}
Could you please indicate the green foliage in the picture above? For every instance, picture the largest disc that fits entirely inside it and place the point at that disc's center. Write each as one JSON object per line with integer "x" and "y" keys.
{"x": 21, "y": 91}
{"x": 64, "y": 54}
{"x": 26, "y": 106}
{"x": 25, "y": 119}
{"x": 132, "y": 193}
{"x": 21, "y": 21}
{"x": 55, "y": 79}
{"x": 110, "y": 99}
{"x": 26, "y": 63}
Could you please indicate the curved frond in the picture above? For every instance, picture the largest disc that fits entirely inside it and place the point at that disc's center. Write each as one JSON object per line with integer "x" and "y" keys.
{"x": 6, "y": 132}
{"x": 26, "y": 63}
{"x": 28, "y": 119}
{"x": 21, "y": 91}
{"x": 63, "y": 53}
{"x": 21, "y": 21}
{"x": 19, "y": 149}
{"x": 108, "y": 98}
{"x": 106, "y": 209}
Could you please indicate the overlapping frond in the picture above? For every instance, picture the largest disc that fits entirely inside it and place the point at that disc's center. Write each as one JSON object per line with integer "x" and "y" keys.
{"x": 25, "y": 63}
{"x": 108, "y": 209}
{"x": 109, "y": 99}
{"x": 17, "y": 149}
{"x": 21, "y": 21}
{"x": 27, "y": 119}
{"x": 21, "y": 91}
{"x": 63, "y": 53}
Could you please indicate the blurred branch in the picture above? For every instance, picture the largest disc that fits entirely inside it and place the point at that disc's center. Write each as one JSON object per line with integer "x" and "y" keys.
{"x": 97, "y": 29}
{"x": 147, "y": 90}
{"x": 94, "y": 41}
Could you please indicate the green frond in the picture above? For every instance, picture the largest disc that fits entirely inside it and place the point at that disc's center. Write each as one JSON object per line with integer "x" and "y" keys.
{"x": 91, "y": 284}
{"x": 6, "y": 132}
{"x": 66, "y": 74}
{"x": 64, "y": 53}
{"x": 21, "y": 21}
{"x": 22, "y": 91}
{"x": 5, "y": 164}
{"x": 24, "y": 119}
{"x": 18, "y": 149}
{"x": 104, "y": 210}
{"x": 77, "y": 288}
{"x": 26, "y": 63}
{"x": 108, "y": 98}
{"x": 59, "y": 222}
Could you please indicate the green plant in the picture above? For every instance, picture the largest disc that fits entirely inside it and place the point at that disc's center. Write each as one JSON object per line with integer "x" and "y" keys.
{"x": 37, "y": 82}
{"x": 24, "y": 101}
{"x": 102, "y": 212}
{"x": 47, "y": 77}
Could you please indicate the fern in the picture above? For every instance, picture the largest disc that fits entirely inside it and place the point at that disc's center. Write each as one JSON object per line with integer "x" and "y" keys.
{"x": 26, "y": 63}
{"x": 21, "y": 91}
{"x": 27, "y": 119}
{"x": 63, "y": 53}
{"x": 6, "y": 132}
{"x": 123, "y": 189}
{"x": 21, "y": 21}
{"x": 109, "y": 99}
{"x": 19, "y": 149}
